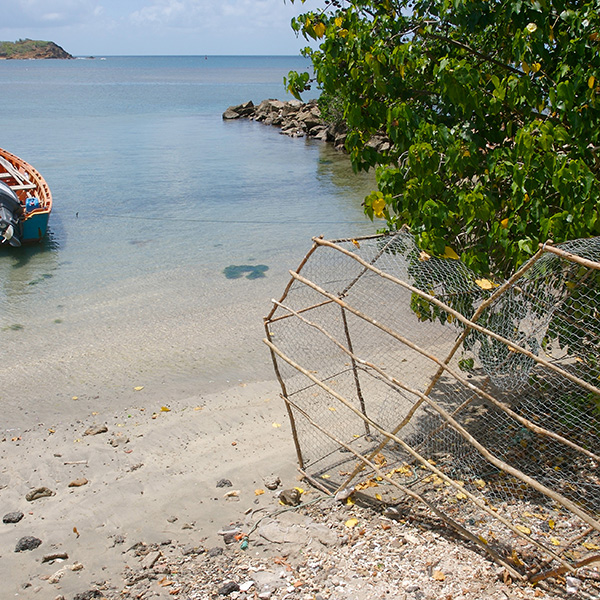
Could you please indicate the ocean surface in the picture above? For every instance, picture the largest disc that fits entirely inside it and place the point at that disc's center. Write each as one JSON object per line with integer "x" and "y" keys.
{"x": 154, "y": 197}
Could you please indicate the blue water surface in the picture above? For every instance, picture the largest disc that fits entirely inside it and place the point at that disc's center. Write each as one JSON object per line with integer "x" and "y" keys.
{"x": 154, "y": 196}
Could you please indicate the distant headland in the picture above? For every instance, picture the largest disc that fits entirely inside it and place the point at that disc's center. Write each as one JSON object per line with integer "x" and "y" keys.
{"x": 27, "y": 49}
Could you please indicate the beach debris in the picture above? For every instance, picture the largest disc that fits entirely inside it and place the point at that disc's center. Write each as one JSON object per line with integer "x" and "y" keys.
{"x": 216, "y": 551}
{"x": 96, "y": 429}
{"x": 27, "y": 543}
{"x": 150, "y": 559}
{"x": 12, "y": 517}
{"x": 224, "y": 483}
{"x": 75, "y": 531}
{"x": 344, "y": 494}
{"x": 232, "y": 495}
{"x": 272, "y": 482}
{"x": 78, "y": 482}
{"x": 290, "y": 497}
{"x": 56, "y": 577}
{"x": 55, "y": 556}
{"x": 41, "y": 492}
{"x": 231, "y": 535}
{"x": 138, "y": 388}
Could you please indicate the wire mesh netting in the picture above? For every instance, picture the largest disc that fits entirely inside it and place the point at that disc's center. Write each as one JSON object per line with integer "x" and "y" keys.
{"x": 407, "y": 375}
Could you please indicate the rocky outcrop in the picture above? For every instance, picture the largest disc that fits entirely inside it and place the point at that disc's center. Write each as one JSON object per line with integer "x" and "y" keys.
{"x": 294, "y": 118}
{"x": 28, "y": 49}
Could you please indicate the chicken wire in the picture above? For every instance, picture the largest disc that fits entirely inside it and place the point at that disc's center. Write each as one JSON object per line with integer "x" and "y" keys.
{"x": 409, "y": 374}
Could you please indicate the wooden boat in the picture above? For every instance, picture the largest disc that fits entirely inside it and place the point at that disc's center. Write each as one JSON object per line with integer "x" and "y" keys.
{"x": 25, "y": 201}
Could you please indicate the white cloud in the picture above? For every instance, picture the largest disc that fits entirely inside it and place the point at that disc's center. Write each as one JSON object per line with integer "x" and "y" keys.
{"x": 205, "y": 14}
{"x": 40, "y": 13}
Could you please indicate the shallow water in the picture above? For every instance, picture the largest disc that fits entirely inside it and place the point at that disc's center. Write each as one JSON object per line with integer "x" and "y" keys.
{"x": 154, "y": 197}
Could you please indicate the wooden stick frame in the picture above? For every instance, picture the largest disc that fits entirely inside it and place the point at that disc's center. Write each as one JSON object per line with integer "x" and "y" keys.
{"x": 443, "y": 367}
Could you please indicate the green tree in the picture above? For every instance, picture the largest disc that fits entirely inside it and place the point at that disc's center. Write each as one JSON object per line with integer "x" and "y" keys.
{"x": 491, "y": 108}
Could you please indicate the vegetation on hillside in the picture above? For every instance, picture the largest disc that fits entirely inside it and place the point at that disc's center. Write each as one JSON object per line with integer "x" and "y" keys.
{"x": 31, "y": 49}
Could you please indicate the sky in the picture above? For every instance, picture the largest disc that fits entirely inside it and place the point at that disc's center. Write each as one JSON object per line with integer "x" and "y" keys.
{"x": 156, "y": 27}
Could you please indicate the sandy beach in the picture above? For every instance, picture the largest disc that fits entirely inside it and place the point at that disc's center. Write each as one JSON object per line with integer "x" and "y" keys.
{"x": 148, "y": 475}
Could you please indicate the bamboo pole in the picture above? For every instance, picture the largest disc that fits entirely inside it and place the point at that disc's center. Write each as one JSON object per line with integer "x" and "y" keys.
{"x": 291, "y": 281}
{"x": 570, "y": 256}
{"x": 287, "y": 406}
{"x": 410, "y": 450}
{"x": 354, "y": 369}
{"x": 511, "y": 345}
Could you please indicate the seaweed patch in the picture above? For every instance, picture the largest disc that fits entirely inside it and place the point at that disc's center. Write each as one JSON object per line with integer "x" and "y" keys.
{"x": 253, "y": 271}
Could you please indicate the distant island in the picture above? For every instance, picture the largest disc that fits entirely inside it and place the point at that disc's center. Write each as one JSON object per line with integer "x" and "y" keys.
{"x": 26, "y": 49}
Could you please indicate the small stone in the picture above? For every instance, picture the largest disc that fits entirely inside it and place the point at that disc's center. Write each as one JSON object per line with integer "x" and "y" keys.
{"x": 228, "y": 587}
{"x": 172, "y": 519}
{"x": 573, "y": 585}
{"x": 272, "y": 483}
{"x": 41, "y": 492}
{"x": 216, "y": 551}
{"x": 12, "y": 517}
{"x": 290, "y": 497}
{"x": 118, "y": 439}
{"x": 96, "y": 429}
{"x": 224, "y": 483}
{"x": 229, "y": 538}
{"x": 192, "y": 550}
{"x": 78, "y": 482}
{"x": 89, "y": 595}
{"x": 27, "y": 543}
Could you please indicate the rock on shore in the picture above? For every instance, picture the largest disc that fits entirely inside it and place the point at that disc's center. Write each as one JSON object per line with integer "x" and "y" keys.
{"x": 295, "y": 118}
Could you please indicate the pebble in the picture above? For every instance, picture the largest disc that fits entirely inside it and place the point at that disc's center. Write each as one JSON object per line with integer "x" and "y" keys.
{"x": 216, "y": 551}
{"x": 89, "y": 595}
{"x": 228, "y": 587}
{"x": 27, "y": 543}
{"x": 41, "y": 492}
{"x": 290, "y": 497}
{"x": 118, "y": 439}
{"x": 272, "y": 482}
{"x": 12, "y": 517}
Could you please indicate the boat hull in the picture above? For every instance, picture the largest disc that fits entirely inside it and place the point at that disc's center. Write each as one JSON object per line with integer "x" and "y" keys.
{"x": 33, "y": 195}
{"x": 33, "y": 229}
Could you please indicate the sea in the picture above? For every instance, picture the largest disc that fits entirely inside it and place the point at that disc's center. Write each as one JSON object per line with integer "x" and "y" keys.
{"x": 158, "y": 203}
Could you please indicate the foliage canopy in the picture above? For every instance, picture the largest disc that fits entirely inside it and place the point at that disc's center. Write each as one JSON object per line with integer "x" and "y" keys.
{"x": 491, "y": 108}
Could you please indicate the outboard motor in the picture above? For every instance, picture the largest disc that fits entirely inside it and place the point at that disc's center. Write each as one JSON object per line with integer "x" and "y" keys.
{"x": 10, "y": 212}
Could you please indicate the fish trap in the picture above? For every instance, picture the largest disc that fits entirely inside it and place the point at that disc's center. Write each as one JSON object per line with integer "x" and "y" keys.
{"x": 409, "y": 376}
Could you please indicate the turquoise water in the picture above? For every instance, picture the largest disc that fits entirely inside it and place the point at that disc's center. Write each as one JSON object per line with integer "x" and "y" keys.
{"x": 154, "y": 197}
